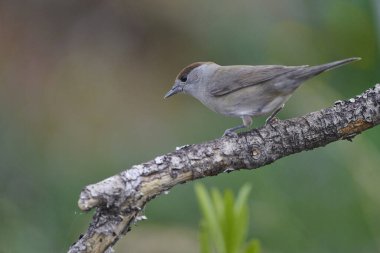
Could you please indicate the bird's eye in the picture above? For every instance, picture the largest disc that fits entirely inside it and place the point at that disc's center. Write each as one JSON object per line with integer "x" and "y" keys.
{"x": 183, "y": 79}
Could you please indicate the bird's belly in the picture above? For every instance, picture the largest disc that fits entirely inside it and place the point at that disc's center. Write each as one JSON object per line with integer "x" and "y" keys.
{"x": 274, "y": 104}
{"x": 245, "y": 103}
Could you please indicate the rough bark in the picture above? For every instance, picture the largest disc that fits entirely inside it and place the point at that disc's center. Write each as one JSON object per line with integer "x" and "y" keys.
{"x": 119, "y": 199}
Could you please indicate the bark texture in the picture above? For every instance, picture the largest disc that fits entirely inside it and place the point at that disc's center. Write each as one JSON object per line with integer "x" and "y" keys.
{"x": 119, "y": 199}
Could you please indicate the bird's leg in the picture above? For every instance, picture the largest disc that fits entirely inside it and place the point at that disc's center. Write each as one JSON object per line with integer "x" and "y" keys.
{"x": 272, "y": 116}
{"x": 247, "y": 122}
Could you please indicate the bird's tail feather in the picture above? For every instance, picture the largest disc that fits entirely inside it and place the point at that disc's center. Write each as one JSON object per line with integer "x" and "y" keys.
{"x": 309, "y": 72}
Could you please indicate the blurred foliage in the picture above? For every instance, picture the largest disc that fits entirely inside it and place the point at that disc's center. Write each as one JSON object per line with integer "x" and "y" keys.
{"x": 81, "y": 98}
{"x": 224, "y": 224}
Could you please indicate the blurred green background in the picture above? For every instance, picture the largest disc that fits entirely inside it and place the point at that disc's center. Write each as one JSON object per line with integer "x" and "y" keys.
{"x": 81, "y": 98}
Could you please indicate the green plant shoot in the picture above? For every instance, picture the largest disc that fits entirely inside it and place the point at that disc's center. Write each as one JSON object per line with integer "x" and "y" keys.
{"x": 224, "y": 225}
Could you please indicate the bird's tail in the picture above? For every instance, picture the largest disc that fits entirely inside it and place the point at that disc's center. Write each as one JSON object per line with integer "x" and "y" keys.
{"x": 309, "y": 72}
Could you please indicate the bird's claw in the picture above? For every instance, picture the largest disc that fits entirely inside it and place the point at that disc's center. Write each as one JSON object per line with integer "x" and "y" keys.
{"x": 229, "y": 133}
{"x": 271, "y": 120}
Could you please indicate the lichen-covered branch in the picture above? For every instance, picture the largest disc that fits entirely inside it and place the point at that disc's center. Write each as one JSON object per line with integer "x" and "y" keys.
{"x": 119, "y": 199}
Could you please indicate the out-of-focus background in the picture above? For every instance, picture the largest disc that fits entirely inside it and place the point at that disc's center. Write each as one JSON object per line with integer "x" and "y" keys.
{"x": 81, "y": 98}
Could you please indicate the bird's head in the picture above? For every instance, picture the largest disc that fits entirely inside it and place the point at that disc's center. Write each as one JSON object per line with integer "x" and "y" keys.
{"x": 191, "y": 78}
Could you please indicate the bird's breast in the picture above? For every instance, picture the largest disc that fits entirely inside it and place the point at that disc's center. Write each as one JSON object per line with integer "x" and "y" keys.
{"x": 252, "y": 101}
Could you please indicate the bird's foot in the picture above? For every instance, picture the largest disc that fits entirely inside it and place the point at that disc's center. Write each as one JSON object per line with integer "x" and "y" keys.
{"x": 271, "y": 120}
{"x": 230, "y": 133}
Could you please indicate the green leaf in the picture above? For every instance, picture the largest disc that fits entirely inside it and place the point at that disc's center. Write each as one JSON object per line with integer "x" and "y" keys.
{"x": 241, "y": 215}
{"x": 228, "y": 221}
{"x": 242, "y": 197}
{"x": 253, "y": 247}
{"x": 225, "y": 221}
{"x": 210, "y": 218}
{"x": 218, "y": 203}
{"x": 204, "y": 238}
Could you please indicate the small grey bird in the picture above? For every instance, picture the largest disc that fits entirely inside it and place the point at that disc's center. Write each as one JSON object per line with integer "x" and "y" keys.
{"x": 245, "y": 91}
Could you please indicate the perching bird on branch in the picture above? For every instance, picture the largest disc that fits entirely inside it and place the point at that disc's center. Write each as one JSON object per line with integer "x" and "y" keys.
{"x": 245, "y": 91}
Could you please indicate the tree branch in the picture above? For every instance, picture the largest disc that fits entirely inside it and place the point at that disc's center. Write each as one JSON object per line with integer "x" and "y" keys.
{"x": 120, "y": 198}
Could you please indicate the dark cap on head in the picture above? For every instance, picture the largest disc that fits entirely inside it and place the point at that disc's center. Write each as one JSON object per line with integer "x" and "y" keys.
{"x": 184, "y": 72}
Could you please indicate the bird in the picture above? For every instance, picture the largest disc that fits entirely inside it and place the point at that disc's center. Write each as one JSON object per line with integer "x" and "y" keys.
{"x": 245, "y": 91}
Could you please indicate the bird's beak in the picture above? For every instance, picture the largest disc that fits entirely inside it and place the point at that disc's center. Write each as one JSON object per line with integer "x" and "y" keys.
{"x": 174, "y": 90}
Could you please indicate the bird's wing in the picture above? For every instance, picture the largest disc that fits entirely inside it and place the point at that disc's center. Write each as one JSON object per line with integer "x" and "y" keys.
{"x": 239, "y": 77}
